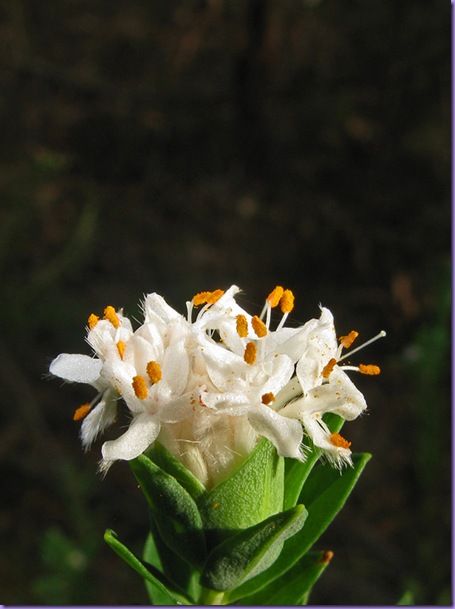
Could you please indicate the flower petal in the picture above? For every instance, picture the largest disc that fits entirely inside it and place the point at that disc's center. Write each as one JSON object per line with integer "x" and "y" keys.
{"x": 320, "y": 436}
{"x": 99, "y": 419}
{"x": 76, "y": 368}
{"x": 142, "y": 431}
{"x": 155, "y": 305}
{"x": 286, "y": 434}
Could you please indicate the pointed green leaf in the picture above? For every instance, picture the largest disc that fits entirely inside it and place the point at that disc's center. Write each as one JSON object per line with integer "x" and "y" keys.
{"x": 322, "y": 509}
{"x": 297, "y": 472}
{"x": 177, "y": 570}
{"x": 249, "y": 552}
{"x": 294, "y": 587}
{"x": 148, "y": 572}
{"x": 325, "y": 493}
{"x": 251, "y": 494}
{"x": 163, "y": 458}
{"x": 175, "y": 513}
{"x": 157, "y": 554}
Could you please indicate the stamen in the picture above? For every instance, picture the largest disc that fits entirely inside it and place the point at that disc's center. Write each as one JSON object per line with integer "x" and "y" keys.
{"x": 81, "y": 412}
{"x": 140, "y": 387}
{"x": 275, "y": 296}
{"x": 111, "y": 315}
{"x": 326, "y": 557}
{"x": 121, "y": 346}
{"x": 215, "y": 296}
{"x": 346, "y": 341}
{"x": 369, "y": 369}
{"x": 207, "y": 297}
{"x": 381, "y": 334}
{"x": 268, "y": 398}
{"x": 250, "y": 353}
{"x": 339, "y": 441}
{"x": 154, "y": 372}
{"x": 327, "y": 370}
{"x": 287, "y": 301}
{"x": 201, "y": 298}
{"x": 241, "y": 326}
{"x": 259, "y": 327}
{"x": 92, "y": 321}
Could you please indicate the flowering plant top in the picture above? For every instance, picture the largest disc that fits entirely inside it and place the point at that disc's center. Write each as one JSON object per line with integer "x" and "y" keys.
{"x": 209, "y": 384}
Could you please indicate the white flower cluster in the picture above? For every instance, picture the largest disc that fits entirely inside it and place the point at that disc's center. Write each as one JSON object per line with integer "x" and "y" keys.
{"x": 208, "y": 389}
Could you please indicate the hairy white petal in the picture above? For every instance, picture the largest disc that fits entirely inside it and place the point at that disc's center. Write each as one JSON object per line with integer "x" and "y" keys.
{"x": 176, "y": 368}
{"x": 286, "y": 434}
{"x": 142, "y": 431}
{"x": 320, "y": 436}
{"x": 155, "y": 304}
{"x": 99, "y": 419}
{"x": 76, "y": 368}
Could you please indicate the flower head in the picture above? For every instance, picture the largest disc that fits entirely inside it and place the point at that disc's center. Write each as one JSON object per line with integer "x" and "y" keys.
{"x": 208, "y": 388}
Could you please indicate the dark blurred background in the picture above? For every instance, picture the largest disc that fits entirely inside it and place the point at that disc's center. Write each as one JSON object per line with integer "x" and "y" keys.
{"x": 184, "y": 145}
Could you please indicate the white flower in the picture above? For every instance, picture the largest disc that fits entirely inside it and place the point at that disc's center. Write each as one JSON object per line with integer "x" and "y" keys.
{"x": 209, "y": 388}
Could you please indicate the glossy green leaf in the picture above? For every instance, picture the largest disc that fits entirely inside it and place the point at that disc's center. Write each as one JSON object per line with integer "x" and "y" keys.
{"x": 249, "y": 552}
{"x": 250, "y": 495}
{"x": 294, "y": 587}
{"x": 163, "y": 458}
{"x": 148, "y": 572}
{"x": 174, "y": 511}
{"x": 296, "y": 472}
{"x": 328, "y": 491}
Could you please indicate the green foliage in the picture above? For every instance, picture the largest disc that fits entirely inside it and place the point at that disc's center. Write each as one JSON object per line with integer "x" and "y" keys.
{"x": 251, "y": 494}
{"x": 246, "y": 541}
{"x": 174, "y": 511}
{"x": 251, "y": 551}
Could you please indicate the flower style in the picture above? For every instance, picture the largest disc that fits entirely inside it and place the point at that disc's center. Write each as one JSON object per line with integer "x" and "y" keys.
{"x": 208, "y": 389}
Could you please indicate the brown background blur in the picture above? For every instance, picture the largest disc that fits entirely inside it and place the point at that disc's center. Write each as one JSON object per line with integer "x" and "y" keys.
{"x": 180, "y": 146}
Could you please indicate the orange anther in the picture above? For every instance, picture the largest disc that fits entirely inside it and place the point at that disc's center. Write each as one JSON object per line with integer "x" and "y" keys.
{"x": 369, "y": 369}
{"x": 200, "y": 298}
{"x": 287, "y": 301}
{"x": 140, "y": 387}
{"x": 154, "y": 372}
{"x": 92, "y": 321}
{"x": 214, "y": 296}
{"x": 327, "y": 370}
{"x": 326, "y": 557}
{"x": 339, "y": 441}
{"x": 347, "y": 340}
{"x": 268, "y": 398}
{"x": 241, "y": 325}
{"x": 259, "y": 326}
{"x": 121, "y": 346}
{"x": 250, "y": 353}
{"x": 111, "y": 315}
{"x": 275, "y": 296}
{"x": 207, "y": 297}
{"x": 81, "y": 412}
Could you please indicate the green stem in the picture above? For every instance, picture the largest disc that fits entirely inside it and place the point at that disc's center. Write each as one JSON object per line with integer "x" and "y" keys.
{"x": 212, "y": 597}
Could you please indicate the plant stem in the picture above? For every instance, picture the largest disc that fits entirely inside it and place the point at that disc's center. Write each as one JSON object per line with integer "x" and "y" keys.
{"x": 212, "y": 597}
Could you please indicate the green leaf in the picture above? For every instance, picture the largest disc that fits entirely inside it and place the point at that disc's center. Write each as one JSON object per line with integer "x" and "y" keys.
{"x": 297, "y": 472}
{"x": 249, "y": 552}
{"x": 163, "y": 458}
{"x": 324, "y": 494}
{"x": 294, "y": 587}
{"x": 251, "y": 494}
{"x": 174, "y": 511}
{"x": 148, "y": 572}
{"x": 157, "y": 554}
